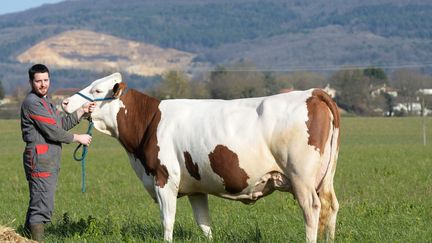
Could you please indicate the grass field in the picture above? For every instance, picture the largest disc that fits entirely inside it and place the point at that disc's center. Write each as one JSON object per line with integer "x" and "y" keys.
{"x": 383, "y": 182}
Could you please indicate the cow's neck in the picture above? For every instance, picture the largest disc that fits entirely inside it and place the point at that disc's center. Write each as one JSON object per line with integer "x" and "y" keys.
{"x": 137, "y": 121}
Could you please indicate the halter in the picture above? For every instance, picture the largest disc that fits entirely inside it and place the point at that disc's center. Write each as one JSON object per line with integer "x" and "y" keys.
{"x": 101, "y": 99}
{"x": 95, "y": 99}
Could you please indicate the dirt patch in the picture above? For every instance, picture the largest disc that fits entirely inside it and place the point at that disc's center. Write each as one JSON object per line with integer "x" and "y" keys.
{"x": 9, "y": 235}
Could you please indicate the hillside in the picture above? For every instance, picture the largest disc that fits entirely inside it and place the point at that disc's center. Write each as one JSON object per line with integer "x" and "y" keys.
{"x": 327, "y": 49}
{"x": 275, "y": 35}
{"x": 99, "y": 52}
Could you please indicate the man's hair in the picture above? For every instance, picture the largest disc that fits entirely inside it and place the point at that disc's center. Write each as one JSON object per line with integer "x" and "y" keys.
{"x": 37, "y": 68}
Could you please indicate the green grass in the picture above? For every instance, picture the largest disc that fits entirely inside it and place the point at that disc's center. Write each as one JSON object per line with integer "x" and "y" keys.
{"x": 383, "y": 182}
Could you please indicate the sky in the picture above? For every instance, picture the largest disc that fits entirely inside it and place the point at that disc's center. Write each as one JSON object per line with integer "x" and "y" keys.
{"x": 11, "y": 6}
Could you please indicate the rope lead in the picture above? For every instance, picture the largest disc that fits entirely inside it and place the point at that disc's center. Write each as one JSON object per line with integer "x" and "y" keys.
{"x": 83, "y": 155}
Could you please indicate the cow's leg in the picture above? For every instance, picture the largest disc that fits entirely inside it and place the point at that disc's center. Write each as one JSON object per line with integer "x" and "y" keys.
{"x": 301, "y": 168}
{"x": 329, "y": 210}
{"x": 199, "y": 203}
{"x": 167, "y": 199}
{"x": 310, "y": 203}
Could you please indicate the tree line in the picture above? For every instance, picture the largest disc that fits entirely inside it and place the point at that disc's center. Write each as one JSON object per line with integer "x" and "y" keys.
{"x": 357, "y": 90}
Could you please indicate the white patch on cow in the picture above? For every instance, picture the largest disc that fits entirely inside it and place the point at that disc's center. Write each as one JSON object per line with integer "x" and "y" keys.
{"x": 105, "y": 117}
{"x": 122, "y": 105}
{"x": 167, "y": 153}
{"x": 147, "y": 180}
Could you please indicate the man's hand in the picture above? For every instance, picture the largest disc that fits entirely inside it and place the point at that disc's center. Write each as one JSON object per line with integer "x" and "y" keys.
{"x": 88, "y": 107}
{"x": 83, "y": 139}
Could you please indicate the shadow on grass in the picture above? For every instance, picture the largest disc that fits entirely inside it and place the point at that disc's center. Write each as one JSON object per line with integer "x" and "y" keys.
{"x": 107, "y": 227}
{"x": 245, "y": 235}
{"x": 133, "y": 230}
{"x": 21, "y": 231}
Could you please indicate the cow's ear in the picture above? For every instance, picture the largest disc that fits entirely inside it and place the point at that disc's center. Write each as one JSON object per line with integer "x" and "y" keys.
{"x": 118, "y": 89}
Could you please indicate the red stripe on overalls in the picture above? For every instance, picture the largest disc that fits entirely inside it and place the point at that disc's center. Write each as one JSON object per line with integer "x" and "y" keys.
{"x": 41, "y": 148}
{"x": 46, "y": 106}
{"x": 41, "y": 174}
{"x": 43, "y": 119}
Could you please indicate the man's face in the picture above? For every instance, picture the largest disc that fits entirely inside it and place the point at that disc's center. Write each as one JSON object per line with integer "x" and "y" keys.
{"x": 40, "y": 83}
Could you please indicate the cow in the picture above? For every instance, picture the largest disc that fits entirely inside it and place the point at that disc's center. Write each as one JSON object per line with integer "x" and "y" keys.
{"x": 241, "y": 149}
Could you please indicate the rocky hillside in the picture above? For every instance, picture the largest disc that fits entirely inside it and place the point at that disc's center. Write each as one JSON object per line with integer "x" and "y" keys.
{"x": 87, "y": 50}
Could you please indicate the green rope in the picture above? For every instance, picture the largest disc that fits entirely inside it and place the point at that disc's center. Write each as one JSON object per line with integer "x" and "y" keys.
{"x": 83, "y": 155}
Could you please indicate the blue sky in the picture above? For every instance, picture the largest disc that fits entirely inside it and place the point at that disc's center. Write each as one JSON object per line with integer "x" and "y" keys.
{"x": 11, "y": 6}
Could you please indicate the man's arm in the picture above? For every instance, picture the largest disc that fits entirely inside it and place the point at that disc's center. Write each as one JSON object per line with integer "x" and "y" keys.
{"x": 71, "y": 120}
{"x": 43, "y": 120}
{"x": 45, "y": 123}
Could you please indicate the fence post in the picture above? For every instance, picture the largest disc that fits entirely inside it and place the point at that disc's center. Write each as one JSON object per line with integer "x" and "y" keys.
{"x": 424, "y": 130}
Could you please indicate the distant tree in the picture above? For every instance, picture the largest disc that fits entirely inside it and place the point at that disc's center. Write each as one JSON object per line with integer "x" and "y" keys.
{"x": 425, "y": 103}
{"x": 284, "y": 81}
{"x": 271, "y": 84}
{"x": 174, "y": 85}
{"x": 377, "y": 76}
{"x": 384, "y": 103}
{"x": 408, "y": 82}
{"x": 352, "y": 90}
{"x": 302, "y": 80}
{"x": 20, "y": 92}
{"x": 2, "y": 91}
{"x": 217, "y": 82}
{"x": 199, "y": 89}
{"x": 241, "y": 80}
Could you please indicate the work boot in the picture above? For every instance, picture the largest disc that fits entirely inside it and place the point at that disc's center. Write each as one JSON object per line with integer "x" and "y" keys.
{"x": 37, "y": 232}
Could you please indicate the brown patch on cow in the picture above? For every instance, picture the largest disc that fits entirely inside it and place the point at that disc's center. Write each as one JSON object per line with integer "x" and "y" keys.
{"x": 318, "y": 123}
{"x": 137, "y": 126}
{"x": 332, "y": 106}
{"x": 191, "y": 167}
{"x": 322, "y": 95}
{"x": 225, "y": 163}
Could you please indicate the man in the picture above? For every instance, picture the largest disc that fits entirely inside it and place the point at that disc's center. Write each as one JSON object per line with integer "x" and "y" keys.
{"x": 44, "y": 130}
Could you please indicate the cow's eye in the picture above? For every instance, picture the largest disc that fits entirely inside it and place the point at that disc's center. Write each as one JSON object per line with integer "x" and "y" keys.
{"x": 98, "y": 91}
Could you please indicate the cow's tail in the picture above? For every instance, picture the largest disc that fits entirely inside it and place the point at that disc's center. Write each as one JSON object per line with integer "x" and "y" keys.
{"x": 329, "y": 203}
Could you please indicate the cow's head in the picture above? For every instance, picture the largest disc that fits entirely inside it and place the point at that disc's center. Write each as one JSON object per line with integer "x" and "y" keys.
{"x": 105, "y": 92}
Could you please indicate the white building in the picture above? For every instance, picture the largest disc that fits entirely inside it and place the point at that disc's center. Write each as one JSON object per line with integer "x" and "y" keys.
{"x": 383, "y": 89}
{"x": 6, "y": 100}
{"x": 414, "y": 108}
{"x": 425, "y": 91}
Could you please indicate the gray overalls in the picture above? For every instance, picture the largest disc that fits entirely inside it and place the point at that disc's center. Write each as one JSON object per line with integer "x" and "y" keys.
{"x": 43, "y": 130}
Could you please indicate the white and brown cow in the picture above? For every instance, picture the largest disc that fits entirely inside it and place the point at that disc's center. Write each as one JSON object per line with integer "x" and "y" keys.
{"x": 240, "y": 149}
